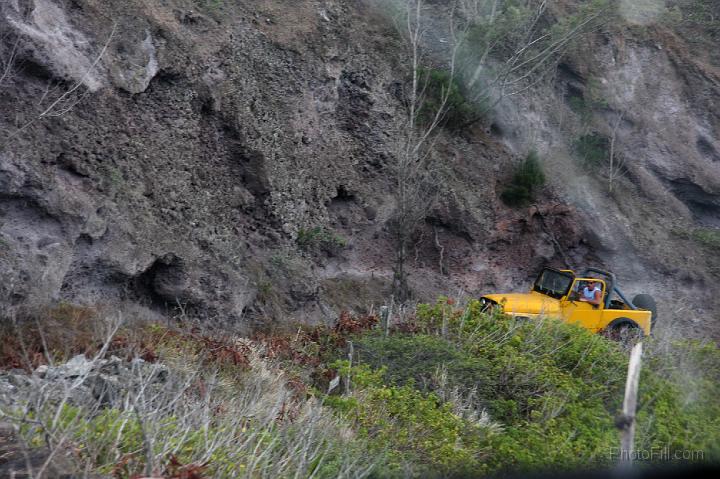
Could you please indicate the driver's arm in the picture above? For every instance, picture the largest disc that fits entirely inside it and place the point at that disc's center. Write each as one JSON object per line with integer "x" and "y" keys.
{"x": 597, "y": 299}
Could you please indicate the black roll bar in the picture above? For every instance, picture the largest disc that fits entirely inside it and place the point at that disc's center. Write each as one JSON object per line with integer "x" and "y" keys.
{"x": 614, "y": 285}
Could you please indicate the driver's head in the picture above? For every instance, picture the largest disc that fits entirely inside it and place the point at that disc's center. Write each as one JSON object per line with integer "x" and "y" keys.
{"x": 591, "y": 284}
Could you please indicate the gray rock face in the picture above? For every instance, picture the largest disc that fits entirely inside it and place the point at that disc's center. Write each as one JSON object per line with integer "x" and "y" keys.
{"x": 76, "y": 367}
{"x": 196, "y": 143}
{"x": 50, "y": 41}
{"x": 80, "y": 382}
{"x": 103, "y": 382}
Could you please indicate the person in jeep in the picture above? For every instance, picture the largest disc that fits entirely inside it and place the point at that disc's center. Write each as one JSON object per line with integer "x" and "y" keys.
{"x": 591, "y": 293}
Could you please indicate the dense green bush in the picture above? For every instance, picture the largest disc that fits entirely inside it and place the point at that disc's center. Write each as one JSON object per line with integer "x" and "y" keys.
{"x": 592, "y": 149}
{"x": 320, "y": 239}
{"x": 436, "y": 85}
{"x": 416, "y": 430}
{"x": 528, "y": 176}
{"x": 554, "y": 388}
{"x": 545, "y": 384}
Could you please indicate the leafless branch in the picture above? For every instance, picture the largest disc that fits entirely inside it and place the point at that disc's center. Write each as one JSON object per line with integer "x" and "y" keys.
{"x": 7, "y": 63}
{"x": 64, "y": 104}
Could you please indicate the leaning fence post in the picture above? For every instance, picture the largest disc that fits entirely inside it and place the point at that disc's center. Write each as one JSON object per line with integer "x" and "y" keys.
{"x": 385, "y": 319}
{"x": 351, "y": 353}
{"x": 626, "y": 422}
{"x": 443, "y": 328}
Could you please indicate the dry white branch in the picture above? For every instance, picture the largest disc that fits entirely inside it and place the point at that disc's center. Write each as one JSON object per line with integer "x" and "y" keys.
{"x": 65, "y": 102}
{"x": 7, "y": 62}
{"x": 178, "y": 409}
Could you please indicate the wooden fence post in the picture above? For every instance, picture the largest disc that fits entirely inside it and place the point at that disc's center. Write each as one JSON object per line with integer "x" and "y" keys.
{"x": 351, "y": 353}
{"x": 385, "y": 318}
{"x": 626, "y": 422}
{"x": 384, "y": 313}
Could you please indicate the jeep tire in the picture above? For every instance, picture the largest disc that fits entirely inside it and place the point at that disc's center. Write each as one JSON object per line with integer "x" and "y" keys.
{"x": 645, "y": 301}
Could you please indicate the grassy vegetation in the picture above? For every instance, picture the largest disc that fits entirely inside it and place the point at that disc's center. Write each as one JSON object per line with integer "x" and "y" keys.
{"x": 451, "y": 391}
{"x": 210, "y": 4}
{"x": 320, "y": 239}
{"x": 528, "y": 176}
{"x": 709, "y": 237}
{"x": 28, "y": 343}
{"x": 551, "y": 389}
{"x": 698, "y": 22}
{"x": 220, "y": 410}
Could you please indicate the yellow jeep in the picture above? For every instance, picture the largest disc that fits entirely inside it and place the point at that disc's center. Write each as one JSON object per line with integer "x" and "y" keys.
{"x": 556, "y": 293}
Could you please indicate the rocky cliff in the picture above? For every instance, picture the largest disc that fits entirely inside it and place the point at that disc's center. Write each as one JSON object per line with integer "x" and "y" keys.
{"x": 227, "y": 160}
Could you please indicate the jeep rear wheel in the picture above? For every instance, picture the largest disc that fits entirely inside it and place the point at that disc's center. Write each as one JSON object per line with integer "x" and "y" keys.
{"x": 645, "y": 301}
{"x": 623, "y": 331}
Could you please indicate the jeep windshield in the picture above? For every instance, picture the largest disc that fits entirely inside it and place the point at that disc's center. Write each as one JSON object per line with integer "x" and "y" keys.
{"x": 553, "y": 283}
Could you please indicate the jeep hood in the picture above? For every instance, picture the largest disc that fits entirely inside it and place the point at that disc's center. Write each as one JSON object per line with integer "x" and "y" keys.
{"x": 528, "y": 303}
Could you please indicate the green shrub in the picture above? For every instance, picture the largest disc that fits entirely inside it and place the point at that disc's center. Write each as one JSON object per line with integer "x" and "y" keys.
{"x": 709, "y": 237}
{"x": 416, "y": 430}
{"x": 592, "y": 149}
{"x": 585, "y": 104}
{"x": 435, "y": 85}
{"x": 210, "y": 4}
{"x": 516, "y": 195}
{"x": 528, "y": 176}
{"x": 415, "y": 359}
{"x": 320, "y": 239}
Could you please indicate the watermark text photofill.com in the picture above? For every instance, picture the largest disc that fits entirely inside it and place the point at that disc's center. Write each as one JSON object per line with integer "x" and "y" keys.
{"x": 656, "y": 454}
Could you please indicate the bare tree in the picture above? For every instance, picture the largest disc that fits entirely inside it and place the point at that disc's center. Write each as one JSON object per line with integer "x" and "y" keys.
{"x": 492, "y": 55}
{"x": 414, "y": 171}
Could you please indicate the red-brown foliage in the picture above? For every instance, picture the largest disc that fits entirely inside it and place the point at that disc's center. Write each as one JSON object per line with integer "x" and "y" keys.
{"x": 61, "y": 331}
{"x": 176, "y": 470}
{"x": 220, "y": 351}
{"x": 348, "y": 324}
